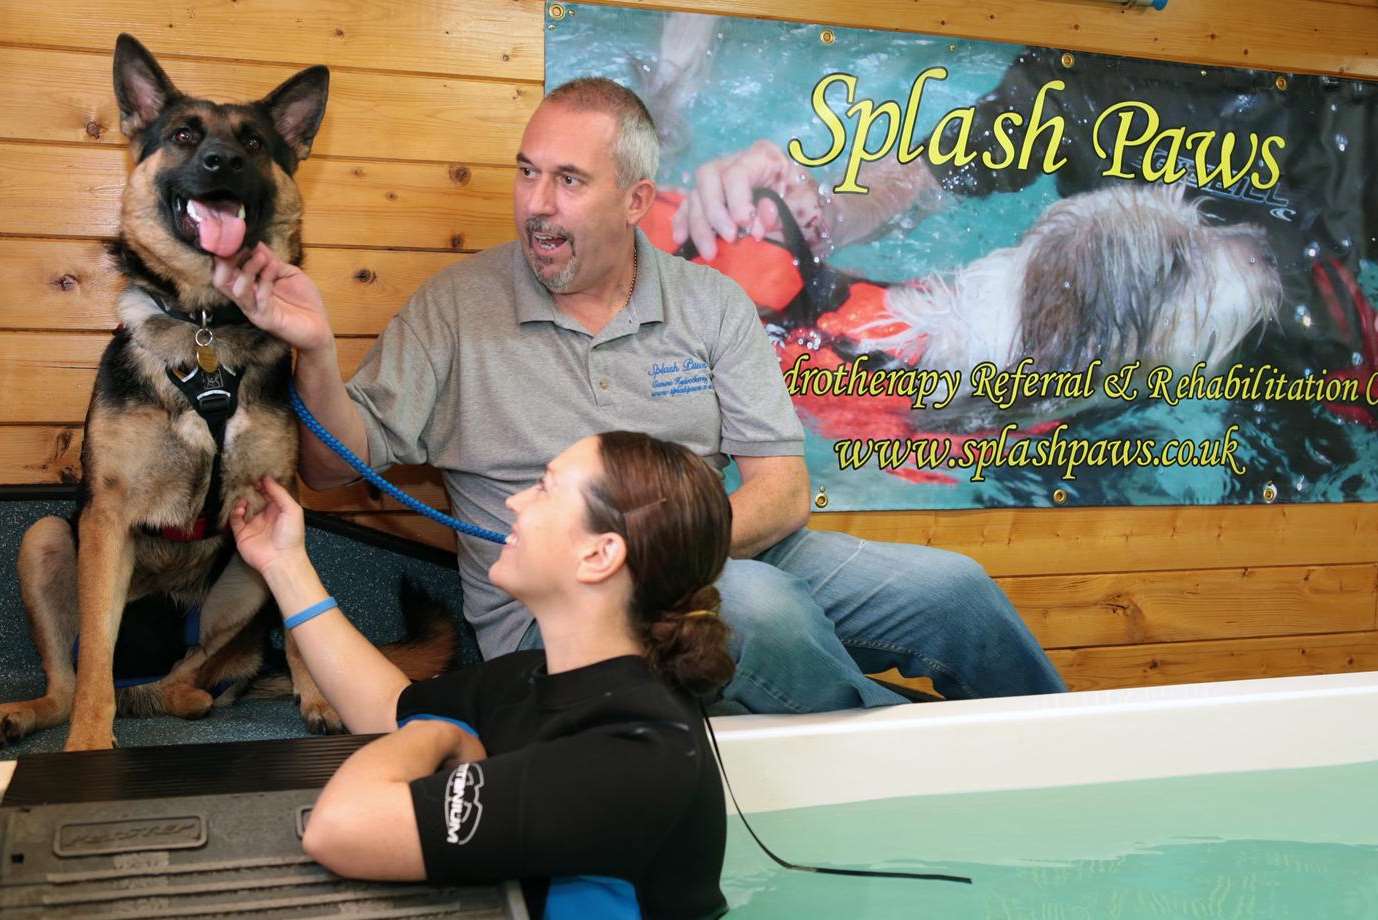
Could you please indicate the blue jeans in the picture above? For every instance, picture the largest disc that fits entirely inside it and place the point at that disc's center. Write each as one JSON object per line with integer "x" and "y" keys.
{"x": 815, "y": 613}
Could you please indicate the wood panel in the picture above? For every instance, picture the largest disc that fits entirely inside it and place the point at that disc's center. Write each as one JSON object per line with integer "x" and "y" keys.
{"x": 480, "y": 38}
{"x": 421, "y": 118}
{"x": 1313, "y": 36}
{"x": 71, "y": 285}
{"x": 34, "y": 454}
{"x": 1070, "y": 611}
{"x": 1192, "y": 662}
{"x": 75, "y": 192}
{"x": 1077, "y": 540}
{"x": 47, "y": 378}
{"x": 58, "y": 284}
{"x": 364, "y": 288}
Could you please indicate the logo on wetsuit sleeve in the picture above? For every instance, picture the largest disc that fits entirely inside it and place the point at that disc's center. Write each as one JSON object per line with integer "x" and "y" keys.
{"x": 462, "y": 807}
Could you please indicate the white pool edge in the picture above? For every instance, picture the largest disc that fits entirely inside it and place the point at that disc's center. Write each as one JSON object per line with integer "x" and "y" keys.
{"x": 777, "y": 762}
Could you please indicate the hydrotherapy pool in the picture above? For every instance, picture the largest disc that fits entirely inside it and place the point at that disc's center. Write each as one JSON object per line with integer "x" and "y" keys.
{"x": 1247, "y": 799}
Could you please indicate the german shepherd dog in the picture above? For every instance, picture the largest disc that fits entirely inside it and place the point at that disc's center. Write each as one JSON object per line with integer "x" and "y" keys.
{"x": 189, "y": 412}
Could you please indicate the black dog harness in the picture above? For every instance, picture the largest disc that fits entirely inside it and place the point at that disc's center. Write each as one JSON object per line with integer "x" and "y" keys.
{"x": 214, "y": 395}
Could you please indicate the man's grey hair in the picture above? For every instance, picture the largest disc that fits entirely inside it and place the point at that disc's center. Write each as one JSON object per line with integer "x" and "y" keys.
{"x": 636, "y": 149}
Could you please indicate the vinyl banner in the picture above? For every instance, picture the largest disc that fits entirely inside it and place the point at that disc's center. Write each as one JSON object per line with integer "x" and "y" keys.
{"x": 1010, "y": 276}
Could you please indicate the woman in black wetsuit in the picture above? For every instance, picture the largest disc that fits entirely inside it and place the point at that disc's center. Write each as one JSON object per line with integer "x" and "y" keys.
{"x": 582, "y": 769}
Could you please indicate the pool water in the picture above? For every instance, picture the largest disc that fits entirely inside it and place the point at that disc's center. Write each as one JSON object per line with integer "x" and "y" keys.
{"x": 1252, "y": 846}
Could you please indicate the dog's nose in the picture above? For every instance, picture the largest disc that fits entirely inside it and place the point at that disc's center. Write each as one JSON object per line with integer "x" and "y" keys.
{"x": 219, "y": 159}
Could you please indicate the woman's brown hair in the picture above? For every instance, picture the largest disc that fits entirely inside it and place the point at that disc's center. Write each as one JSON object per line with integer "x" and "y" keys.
{"x": 670, "y": 508}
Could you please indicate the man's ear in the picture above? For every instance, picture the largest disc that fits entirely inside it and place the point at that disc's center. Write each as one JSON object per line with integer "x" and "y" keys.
{"x": 640, "y": 197}
{"x": 600, "y": 557}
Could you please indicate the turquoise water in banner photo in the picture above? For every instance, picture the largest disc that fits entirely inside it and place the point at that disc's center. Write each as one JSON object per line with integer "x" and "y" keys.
{"x": 1268, "y": 845}
{"x": 758, "y": 84}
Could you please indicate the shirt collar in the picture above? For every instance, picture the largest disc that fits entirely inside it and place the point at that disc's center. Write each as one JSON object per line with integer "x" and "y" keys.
{"x": 556, "y": 691}
{"x": 535, "y": 303}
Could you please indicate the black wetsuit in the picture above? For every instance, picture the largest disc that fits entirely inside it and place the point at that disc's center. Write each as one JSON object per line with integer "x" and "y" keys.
{"x": 600, "y": 791}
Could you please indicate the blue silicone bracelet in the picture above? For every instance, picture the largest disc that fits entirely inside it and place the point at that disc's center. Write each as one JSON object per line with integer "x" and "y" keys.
{"x": 314, "y": 610}
{"x": 427, "y": 717}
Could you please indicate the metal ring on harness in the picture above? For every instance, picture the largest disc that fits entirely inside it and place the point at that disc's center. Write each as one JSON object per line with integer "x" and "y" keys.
{"x": 210, "y": 337}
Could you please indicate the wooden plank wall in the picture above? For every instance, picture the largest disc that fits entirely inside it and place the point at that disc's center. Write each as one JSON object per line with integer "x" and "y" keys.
{"x": 413, "y": 168}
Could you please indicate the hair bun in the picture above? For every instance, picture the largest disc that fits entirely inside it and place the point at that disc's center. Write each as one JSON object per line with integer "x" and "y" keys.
{"x": 690, "y": 649}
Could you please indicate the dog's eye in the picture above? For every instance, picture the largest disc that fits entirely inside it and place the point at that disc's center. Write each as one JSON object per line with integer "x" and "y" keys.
{"x": 184, "y": 136}
{"x": 253, "y": 144}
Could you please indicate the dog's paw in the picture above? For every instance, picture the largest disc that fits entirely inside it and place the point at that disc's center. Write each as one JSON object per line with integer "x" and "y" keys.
{"x": 17, "y": 721}
{"x": 321, "y": 718}
{"x": 186, "y": 701}
{"x": 253, "y": 500}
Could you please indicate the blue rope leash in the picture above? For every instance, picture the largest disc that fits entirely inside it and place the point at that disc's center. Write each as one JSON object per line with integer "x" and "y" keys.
{"x": 332, "y": 442}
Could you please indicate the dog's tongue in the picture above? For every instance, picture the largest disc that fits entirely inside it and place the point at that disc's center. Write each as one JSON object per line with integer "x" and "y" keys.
{"x": 219, "y": 226}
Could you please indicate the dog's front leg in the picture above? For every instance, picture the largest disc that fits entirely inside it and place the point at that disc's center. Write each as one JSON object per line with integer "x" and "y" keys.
{"x": 105, "y": 563}
{"x": 230, "y": 605}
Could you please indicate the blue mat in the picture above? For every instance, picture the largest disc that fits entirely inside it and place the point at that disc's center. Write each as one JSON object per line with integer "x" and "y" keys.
{"x": 361, "y": 570}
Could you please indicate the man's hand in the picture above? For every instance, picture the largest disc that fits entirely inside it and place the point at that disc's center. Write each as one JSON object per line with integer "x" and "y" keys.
{"x": 277, "y": 297}
{"x": 771, "y": 503}
{"x": 720, "y": 204}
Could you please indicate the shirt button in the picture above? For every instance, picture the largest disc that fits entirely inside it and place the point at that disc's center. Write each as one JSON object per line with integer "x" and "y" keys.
{"x": 602, "y": 384}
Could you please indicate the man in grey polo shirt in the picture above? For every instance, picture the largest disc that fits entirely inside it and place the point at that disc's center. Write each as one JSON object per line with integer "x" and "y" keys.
{"x": 580, "y": 326}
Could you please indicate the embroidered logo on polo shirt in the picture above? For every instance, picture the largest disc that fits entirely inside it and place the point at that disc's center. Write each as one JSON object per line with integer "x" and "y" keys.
{"x": 462, "y": 806}
{"x": 676, "y": 378}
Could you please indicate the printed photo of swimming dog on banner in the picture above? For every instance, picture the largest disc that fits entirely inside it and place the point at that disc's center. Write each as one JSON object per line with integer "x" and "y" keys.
{"x": 1008, "y": 276}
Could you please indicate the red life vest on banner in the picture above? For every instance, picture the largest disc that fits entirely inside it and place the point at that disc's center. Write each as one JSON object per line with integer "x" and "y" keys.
{"x": 812, "y": 308}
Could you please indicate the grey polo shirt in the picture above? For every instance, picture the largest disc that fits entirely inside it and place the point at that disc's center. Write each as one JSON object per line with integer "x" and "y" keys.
{"x": 482, "y": 377}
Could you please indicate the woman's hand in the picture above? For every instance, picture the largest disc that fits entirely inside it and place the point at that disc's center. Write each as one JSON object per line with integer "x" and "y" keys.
{"x": 277, "y": 297}
{"x": 276, "y": 536}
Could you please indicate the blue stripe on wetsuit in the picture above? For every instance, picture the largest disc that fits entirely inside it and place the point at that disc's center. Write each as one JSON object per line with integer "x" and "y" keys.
{"x": 427, "y": 717}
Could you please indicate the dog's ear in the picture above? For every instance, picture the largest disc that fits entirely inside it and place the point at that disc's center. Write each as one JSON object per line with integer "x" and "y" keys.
{"x": 297, "y": 107}
{"x": 1064, "y": 299}
{"x": 141, "y": 87}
